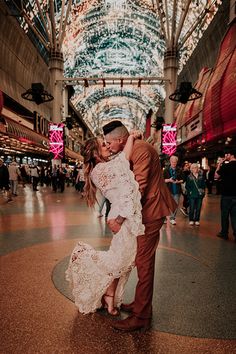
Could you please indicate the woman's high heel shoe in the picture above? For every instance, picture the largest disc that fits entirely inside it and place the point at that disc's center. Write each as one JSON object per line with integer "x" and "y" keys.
{"x": 105, "y": 305}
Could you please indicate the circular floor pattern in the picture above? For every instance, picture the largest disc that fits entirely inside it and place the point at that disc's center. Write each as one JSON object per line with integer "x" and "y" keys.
{"x": 190, "y": 299}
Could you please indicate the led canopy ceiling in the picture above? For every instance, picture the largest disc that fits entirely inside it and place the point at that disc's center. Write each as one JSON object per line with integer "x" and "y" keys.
{"x": 115, "y": 38}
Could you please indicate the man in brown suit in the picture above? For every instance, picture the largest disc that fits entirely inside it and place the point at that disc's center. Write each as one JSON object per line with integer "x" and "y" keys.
{"x": 156, "y": 204}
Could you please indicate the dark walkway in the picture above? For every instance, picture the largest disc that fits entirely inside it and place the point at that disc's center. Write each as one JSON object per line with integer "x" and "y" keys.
{"x": 195, "y": 287}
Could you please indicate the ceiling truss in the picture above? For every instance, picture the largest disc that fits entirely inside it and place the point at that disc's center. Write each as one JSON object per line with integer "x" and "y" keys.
{"x": 118, "y": 81}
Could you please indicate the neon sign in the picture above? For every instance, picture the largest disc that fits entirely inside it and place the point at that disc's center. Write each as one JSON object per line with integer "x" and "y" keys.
{"x": 56, "y": 140}
{"x": 168, "y": 139}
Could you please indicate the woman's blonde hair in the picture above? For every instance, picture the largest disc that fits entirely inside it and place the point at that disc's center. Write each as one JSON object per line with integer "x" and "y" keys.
{"x": 90, "y": 152}
{"x": 194, "y": 165}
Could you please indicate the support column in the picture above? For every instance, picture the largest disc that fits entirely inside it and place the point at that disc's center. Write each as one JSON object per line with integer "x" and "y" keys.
{"x": 56, "y": 71}
{"x": 65, "y": 101}
{"x": 170, "y": 73}
{"x": 56, "y": 68}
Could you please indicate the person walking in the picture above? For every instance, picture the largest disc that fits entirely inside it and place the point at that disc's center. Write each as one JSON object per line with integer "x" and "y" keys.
{"x": 24, "y": 175}
{"x": 195, "y": 186}
{"x": 14, "y": 174}
{"x": 210, "y": 173}
{"x": 226, "y": 171}
{"x": 185, "y": 173}
{"x": 35, "y": 177}
{"x": 174, "y": 178}
{"x": 80, "y": 181}
{"x": 157, "y": 203}
{"x": 55, "y": 178}
{"x": 4, "y": 180}
{"x": 61, "y": 178}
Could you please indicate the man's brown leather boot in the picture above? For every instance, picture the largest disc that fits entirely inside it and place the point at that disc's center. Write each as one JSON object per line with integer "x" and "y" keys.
{"x": 133, "y": 323}
{"x": 127, "y": 307}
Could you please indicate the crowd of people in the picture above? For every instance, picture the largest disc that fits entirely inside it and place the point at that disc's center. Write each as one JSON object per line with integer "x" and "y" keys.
{"x": 57, "y": 177}
{"x": 192, "y": 182}
{"x": 189, "y": 182}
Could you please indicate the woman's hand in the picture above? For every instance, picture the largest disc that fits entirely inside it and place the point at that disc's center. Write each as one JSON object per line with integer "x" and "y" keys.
{"x": 114, "y": 226}
{"x": 137, "y": 134}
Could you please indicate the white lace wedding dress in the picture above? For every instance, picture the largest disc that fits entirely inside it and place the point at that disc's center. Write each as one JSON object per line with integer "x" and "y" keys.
{"x": 90, "y": 271}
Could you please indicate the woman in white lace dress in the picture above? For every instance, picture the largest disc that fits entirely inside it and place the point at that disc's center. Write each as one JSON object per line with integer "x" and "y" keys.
{"x": 98, "y": 277}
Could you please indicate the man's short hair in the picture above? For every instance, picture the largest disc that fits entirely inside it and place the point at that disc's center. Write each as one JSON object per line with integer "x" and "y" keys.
{"x": 109, "y": 127}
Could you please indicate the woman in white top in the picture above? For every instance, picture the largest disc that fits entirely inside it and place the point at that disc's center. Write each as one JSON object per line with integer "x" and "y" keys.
{"x": 98, "y": 277}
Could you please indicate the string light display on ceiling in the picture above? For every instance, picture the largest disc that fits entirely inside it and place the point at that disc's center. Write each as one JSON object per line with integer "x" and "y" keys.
{"x": 123, "y": 38}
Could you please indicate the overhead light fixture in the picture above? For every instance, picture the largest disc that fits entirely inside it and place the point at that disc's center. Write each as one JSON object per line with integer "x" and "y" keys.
{"x": 185, "y": 93}
{"x": 37, "y": 94}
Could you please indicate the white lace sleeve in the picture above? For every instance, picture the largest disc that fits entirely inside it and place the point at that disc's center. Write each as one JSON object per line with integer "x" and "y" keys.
{"x": 128, "y": 189}
{"x": 116, "y": 182}
{"x": 102, "y": 178}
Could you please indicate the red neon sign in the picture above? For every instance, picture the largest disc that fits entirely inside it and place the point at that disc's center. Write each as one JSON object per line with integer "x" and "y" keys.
{"x": 168, "y": 139}
{"x": 56, "y": 140}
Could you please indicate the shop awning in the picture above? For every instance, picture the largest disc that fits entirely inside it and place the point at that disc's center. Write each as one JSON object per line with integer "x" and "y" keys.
{"x": 25, "y": 134}
{"x": 20, "y": 138}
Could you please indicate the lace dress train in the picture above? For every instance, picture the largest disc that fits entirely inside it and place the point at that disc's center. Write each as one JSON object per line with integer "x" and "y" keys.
{"x": 91, "y": 271}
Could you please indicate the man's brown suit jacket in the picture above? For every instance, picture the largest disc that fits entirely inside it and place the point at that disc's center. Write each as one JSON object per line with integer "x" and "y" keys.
{"x": 157, "y": 201}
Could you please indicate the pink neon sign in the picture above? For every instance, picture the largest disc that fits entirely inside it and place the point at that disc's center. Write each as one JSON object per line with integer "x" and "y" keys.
{"x": 168, "y": 139}
{"x": 56, "y": 141}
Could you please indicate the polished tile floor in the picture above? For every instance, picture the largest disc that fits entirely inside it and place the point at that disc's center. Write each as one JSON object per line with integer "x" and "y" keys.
{"x": 195, "y": 287}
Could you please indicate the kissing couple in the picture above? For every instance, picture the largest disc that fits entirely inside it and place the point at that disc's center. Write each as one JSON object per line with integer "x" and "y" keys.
{"x": 131, "y": 179}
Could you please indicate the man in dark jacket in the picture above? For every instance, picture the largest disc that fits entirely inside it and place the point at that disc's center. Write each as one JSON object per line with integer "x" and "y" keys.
{"x": 226, "y": 170}
{"x": 4, "y": 179}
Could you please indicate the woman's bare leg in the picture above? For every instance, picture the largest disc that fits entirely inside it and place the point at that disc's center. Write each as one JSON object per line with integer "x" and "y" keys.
{"x": 110, "y": 294}
{"x": 111, "y": 290}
